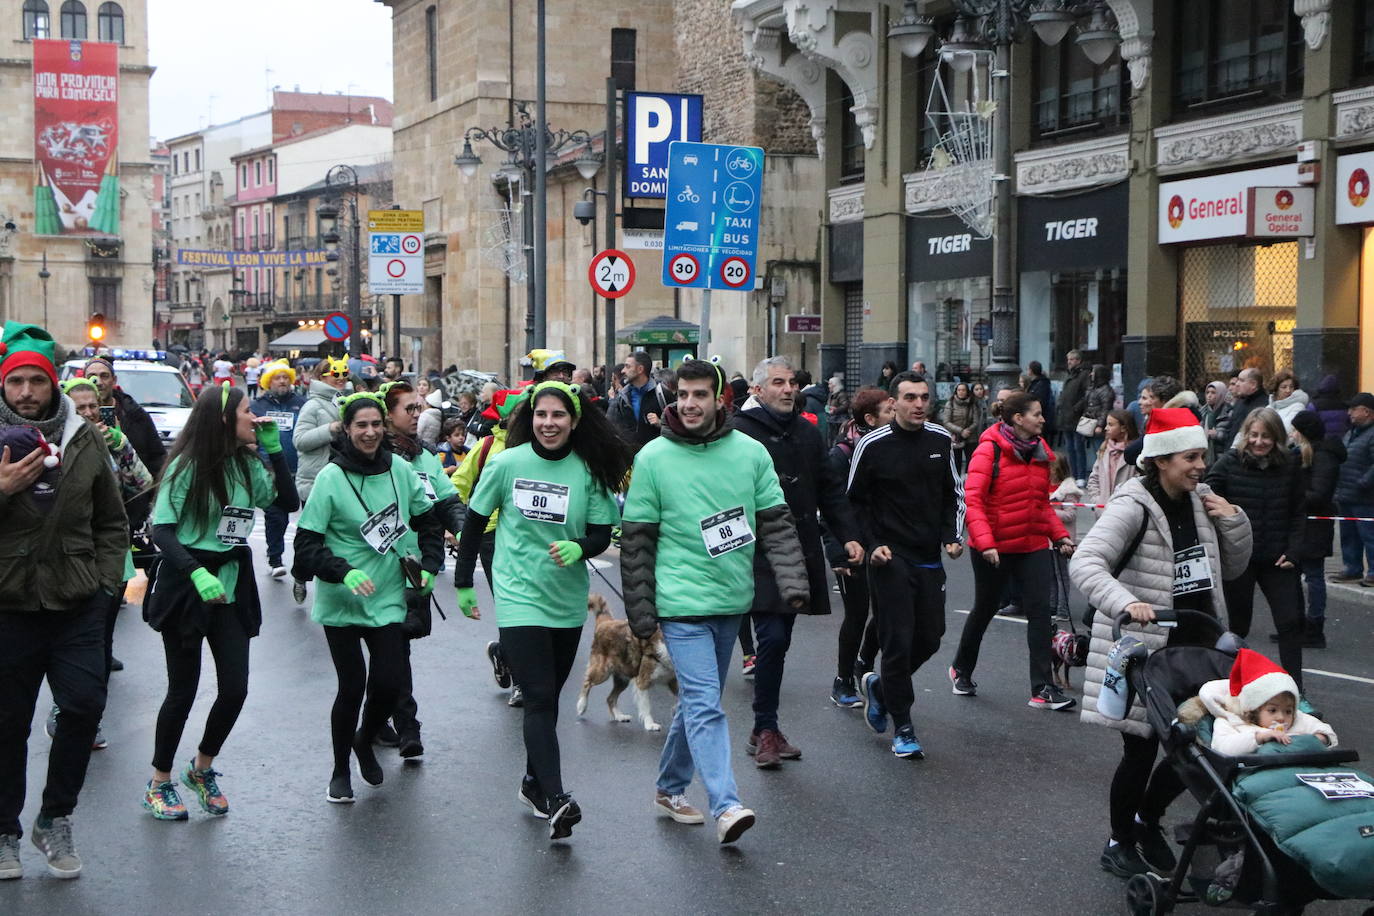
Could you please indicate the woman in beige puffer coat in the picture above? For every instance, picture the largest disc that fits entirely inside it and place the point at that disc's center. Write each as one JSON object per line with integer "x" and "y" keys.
{"x": 1166, "y": 510}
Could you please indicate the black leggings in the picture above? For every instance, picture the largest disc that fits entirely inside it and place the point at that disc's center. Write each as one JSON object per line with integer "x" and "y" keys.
{"x": 1283, "y": 590}
{"x": 111, "y": 616}
{"x": 1135, "y": 790}
{"x": 540, "y": 660}
{"x": 1034, "y": 573}
{"x": 859, "y": 629}
{"x": 229, "y": 645}
{"x": 382, "y": 685}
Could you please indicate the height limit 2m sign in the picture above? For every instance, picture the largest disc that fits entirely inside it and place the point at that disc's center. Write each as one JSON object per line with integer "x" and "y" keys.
{"x": 711, "y": 224}
{"x": 395, "y": 252}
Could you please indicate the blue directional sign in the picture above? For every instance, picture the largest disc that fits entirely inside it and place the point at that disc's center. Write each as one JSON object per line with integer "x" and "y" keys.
{"x": 711, "y": 224}
{"x": 652, "y": 121}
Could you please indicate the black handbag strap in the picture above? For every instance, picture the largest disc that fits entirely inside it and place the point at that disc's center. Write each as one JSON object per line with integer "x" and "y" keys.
{"x": 1121, "y": 564}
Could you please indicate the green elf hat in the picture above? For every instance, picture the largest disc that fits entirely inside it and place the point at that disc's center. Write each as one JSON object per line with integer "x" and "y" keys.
{"x": 27, "y": 345}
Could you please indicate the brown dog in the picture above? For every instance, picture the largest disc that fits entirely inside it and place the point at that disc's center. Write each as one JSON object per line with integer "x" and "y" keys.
{"x": 617, "y": 654}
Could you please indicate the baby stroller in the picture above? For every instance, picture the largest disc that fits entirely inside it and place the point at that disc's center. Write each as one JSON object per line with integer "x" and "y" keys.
{"x": 1272, "y": 882}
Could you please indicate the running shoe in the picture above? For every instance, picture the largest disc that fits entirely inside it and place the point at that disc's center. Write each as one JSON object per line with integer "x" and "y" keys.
{"x": 499, "y": 669}
{"x": 206, "y": 786}
{"x": 99, "y": 743}
{"x": 116, "y": 664}
{"x": 530, "y": 796}
{"x": 517, "y": 697}
{"x": 763, "y": 747}
{"x": 55, "y": 842}
{"x": 843, "y": 694}
{"x": 732, "y": 823}
{"x": 904, "y": 744}
{"x": 1122, "y": 860}
{"x": 874, "y": 713}
{"x": 678, "y": 808}
{"x": 368, "y": 767}
{"x": 411, "y": 748}
{"x": 340, "y": 791}
{"x": 565, "y": 814}
{"x": 1155, "y": 848}
{"x": 162, "y": 800}
{"x": 1051, "y": 697}
{"x": 10, "y": 866}
{"x": 747, "y": 666}
{"x": 278, "y": 571}
{"x": 298, "y": 591}
{"x": 386, "y": 736}
{"x": 963, "y": 685}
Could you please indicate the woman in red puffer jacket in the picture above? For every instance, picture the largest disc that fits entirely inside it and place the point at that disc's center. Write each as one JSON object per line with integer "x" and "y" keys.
{"x": 1011, "y": 526}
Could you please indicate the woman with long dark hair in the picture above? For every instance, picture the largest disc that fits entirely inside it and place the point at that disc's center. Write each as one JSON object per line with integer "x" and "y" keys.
{"x": 352, "y": 536}
{"x": 1012, "y": 527}
{"x": 553, "y": 485}
{"x": 963, "y": 417}
{"x": 202, "y": 587}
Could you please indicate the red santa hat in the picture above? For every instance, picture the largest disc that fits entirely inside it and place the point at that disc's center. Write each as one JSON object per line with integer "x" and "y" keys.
{"x": 1255, "y": 680}
{"x": 1170, "y": 430}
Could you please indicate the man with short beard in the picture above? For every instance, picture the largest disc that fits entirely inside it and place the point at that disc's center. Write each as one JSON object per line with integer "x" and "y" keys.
{"x": 637, "y": 409}
{"x": 133, "y": 421}
{"x": 60, "y": 567}
{"x": 1249, "y": 396}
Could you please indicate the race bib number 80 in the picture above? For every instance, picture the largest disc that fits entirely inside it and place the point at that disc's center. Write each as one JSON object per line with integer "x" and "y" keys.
{"x": 541, "y": 501}
{"x": 726, "y": 531}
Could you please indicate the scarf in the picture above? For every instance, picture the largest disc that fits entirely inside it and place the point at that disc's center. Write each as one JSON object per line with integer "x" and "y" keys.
{"x": 405, "y": 446}
{"x": 1115, "y": 454}
{"x": 1024, "y": 447}
{"x": 51, "y": 428}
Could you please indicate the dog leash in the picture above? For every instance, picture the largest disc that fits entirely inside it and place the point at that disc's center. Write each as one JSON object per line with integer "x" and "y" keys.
{"x": 618, "y": 594}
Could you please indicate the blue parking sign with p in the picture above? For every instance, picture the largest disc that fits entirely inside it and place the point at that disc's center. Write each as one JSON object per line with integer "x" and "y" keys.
{"x": 652, "y": 121}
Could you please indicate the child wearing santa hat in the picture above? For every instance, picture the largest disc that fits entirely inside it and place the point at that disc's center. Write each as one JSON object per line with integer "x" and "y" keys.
{"x": 1256, "y": 705}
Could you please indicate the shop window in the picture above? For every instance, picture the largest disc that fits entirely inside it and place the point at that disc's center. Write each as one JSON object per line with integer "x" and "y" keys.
{"x": 1073, "y": 96}
{"x": 1235, "y": 52}
{"x": 36, "y": 23}
{"x": 1082, "y": 310}
{"x": 110, "y": 23}
{"x": 943, "y": 324}
{"x": 1237, "y": 309}
{"x": 74, "y": 20}
{"x": 623, "y": 58}
{"x": 851, "y": 141}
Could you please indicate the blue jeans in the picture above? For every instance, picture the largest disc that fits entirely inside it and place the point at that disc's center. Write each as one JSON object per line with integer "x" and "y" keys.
{"x": 1357, "y": 541}
{"x": 1078, "y": 455}
{"x": 773, "y": 634}
{"x": 1314, "y": 574}
{"x": 699, "y": 737}
{"x": 274, "y": 522}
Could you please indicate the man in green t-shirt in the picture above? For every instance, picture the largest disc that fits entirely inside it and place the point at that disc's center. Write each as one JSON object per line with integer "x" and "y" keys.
{"x": 701, "y": 497}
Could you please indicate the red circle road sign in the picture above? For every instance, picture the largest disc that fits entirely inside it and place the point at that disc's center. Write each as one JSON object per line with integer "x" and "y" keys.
{"x": 395, "y": 268}
{"x": 337, "y": 326}
{"x": 611, "y": 273}
{"x": 410, "y": 244}
{"x": 734, "y": 272}
{"x": 683, "y": 268}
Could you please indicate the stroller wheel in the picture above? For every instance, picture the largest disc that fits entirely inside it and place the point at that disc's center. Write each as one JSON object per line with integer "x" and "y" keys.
{"x": 1145, "y": 896}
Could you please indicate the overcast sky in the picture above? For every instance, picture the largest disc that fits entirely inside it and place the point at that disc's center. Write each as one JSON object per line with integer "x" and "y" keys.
{"x": 218, "y": 62}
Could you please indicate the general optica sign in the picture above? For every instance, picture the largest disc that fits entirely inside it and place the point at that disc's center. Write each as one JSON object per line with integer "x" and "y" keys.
{"x": 76, "y": 137}
{"x": 193, "y": 257}
{"x": 1215, "y": 207}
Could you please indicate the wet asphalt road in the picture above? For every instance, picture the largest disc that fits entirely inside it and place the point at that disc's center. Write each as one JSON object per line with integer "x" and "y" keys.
{"x": 1007, "y": 814}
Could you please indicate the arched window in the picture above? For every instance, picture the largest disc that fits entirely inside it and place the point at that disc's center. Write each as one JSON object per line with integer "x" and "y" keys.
{"x": 74, "y": 20}
{"x": 110, "y": 23}
{"x": 36, "y": 19}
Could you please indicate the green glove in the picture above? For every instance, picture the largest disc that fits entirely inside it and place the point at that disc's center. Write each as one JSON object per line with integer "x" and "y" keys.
{"x": 426, "y": 583}
{"x": 207, "y": 584}
{"x": 355, "y": 579}
{"x": 467, "y": 600}
{"x": 269, "y": 437}
{"x": 568, "y": 552}
{"x": 114, "y": 439}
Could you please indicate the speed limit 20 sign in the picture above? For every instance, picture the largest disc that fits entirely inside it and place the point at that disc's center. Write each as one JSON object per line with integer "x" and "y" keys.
{"x": 611, "y": 273}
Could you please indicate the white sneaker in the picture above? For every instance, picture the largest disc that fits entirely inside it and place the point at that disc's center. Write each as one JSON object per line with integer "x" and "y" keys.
{"x": 278, "y": 572}
{"x": 731, "y": 825}
{"x": 677, "y": 807}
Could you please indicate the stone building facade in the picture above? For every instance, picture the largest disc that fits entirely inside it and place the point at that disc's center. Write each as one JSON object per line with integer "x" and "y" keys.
{"x": 460, "y": 65}
{"x": 120, "y": 268}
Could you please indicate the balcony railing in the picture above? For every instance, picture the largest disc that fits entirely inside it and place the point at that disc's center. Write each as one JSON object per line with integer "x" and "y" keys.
{"x": 261, "y": 242}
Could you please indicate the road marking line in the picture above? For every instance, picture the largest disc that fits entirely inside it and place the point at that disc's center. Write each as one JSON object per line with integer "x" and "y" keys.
{"x": 1317, "y": 671}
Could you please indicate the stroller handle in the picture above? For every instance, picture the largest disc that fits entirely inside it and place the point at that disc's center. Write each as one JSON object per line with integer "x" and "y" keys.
{"x": 1166, "y": 616}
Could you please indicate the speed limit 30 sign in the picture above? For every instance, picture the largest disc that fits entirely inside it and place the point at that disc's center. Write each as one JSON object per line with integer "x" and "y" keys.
{"x": 611, "y": 273}
{"x": 683, "y": 268}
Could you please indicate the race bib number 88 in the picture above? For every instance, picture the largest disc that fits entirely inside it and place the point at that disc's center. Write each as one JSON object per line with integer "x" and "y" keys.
{"x": 726, "y": 531}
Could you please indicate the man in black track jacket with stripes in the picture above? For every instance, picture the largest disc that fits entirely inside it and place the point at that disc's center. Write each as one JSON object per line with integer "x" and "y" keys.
{"x": 909, "y": 504}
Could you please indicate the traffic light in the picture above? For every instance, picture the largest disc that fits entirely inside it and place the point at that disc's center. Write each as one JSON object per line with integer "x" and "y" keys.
{"x": 95, "y": 328}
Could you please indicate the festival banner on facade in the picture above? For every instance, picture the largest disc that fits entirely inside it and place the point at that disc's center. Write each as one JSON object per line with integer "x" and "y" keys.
{"x": 199, "y": 257}
{"x": 76, "y": 137}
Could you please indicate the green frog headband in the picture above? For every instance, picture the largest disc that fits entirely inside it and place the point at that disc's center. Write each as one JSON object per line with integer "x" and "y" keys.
{"x": 714, "y": 363}
{"x": 71, "y": 383}
{"x": 374, "y": 398}
{"x": 573, "y": 394}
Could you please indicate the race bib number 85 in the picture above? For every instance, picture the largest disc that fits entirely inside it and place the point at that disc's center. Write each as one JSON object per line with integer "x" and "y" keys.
{"x": 726, "y": 531}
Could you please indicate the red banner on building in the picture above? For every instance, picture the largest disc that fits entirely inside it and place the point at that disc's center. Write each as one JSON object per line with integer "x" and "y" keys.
{"x": 76, "y": 136}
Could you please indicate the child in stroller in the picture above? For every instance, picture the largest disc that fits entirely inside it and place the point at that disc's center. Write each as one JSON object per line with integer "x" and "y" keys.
{"x": 1257, "y": 704}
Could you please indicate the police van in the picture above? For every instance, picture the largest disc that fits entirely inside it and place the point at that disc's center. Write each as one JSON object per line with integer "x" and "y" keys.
{"x": 158, "y": 388}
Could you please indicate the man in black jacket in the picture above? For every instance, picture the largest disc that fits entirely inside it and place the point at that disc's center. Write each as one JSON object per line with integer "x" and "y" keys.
{"x": 909, "y": 502}
{"x": 1073, "y": 401}
{"x": 637, "y": 409}
{"x": 135, "y": 424}
{"x": 1042, "y": 391}
{"x": 1250, "y": 396}
{"x": 808, "y": 484}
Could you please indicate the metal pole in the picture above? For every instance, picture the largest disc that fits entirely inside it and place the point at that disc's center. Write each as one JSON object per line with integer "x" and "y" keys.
{"x": 527, "y": 221}
{"x": 704, "y": 347}
{"x": 1004, "y": 369}
{"x": 541, "y": 153}
{"x": 611, "y": 156}
{"x": 396, "y": 327}
{"x": 355, "y": 282}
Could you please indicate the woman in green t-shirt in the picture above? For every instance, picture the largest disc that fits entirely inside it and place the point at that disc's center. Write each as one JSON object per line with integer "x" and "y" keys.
{"x": 202, "y": 587}
{"x": 553, "y": 485}
{"x": 354, "y": 536}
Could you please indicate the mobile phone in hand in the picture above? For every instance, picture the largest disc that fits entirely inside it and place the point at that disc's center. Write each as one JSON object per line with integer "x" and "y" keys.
{"x": 107, "y": 416}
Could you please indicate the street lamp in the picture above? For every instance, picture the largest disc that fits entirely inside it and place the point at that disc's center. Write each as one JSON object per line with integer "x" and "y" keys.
{"x": 1000, "y": 23}
{"x": 912, "y": 32}
{"x": 528, "y": 148}
{"x": 44, "y": 276}
{"x": 339, "y": 179}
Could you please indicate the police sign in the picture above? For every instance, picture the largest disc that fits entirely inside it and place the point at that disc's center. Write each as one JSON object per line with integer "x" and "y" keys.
{"x": 652, "y": 121}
